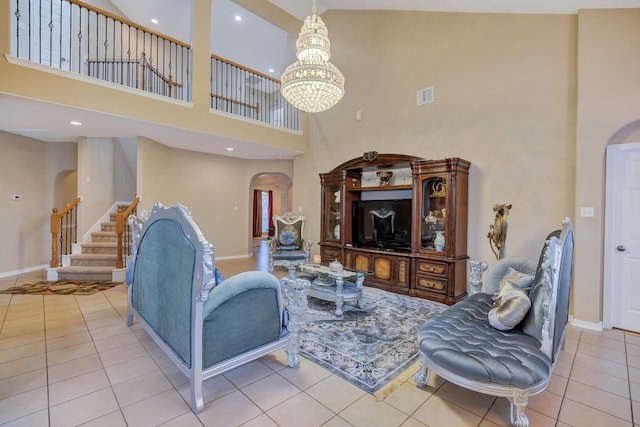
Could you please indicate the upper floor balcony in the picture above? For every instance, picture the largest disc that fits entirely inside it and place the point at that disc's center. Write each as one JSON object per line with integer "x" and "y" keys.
{"x": 74, "y": 37}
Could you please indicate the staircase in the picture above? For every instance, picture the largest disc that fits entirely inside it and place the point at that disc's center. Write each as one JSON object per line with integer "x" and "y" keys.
{"x": 97, "y": 258}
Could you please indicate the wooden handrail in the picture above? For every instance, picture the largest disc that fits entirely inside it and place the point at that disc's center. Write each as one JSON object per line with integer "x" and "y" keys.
{"x": 242, "y": 67}
{"x": 120, "y": 227}
{"x": 55, "y": 230}
{"x": 154, "y": 70}
{"x": 244, "y": 104}
{"x": 127, "y": 22}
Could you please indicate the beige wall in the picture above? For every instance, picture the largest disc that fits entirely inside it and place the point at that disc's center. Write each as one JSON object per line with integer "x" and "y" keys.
{"x": 103, "y": 179}
{"x": 608, "y": 112}
{"x": 216, "y": 189}
{"x": 26, "y": 232}
{"x": 505, "y": 97}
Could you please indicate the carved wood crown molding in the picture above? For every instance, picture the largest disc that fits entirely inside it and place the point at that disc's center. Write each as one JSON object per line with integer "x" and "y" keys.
{"x": 374, "y": 159}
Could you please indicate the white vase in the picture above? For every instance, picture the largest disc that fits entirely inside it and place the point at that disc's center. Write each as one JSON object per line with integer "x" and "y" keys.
{"x": 438, "y": 242}
{"x": 336, "y": 232}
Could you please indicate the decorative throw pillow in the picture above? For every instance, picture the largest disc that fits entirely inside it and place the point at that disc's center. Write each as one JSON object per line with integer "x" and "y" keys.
{"x": 523, "y": 280}
{"x": 287, "y": 237}
{"x": 510, "y": 307}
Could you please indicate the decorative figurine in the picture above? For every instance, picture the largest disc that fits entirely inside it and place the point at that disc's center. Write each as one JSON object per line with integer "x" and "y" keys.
{"x": 476, "y": 268}
{"x": 384, "y": 177}
{"x": 498, "y": 231}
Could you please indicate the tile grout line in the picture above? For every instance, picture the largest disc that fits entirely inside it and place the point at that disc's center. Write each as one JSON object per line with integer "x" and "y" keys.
{"x": 626, "y": 358}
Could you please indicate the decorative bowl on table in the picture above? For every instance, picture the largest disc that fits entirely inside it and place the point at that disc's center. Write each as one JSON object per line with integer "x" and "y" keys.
{"x": 335, "y": 266}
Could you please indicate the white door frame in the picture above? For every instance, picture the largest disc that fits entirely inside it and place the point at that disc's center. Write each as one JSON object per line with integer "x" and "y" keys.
{"x": 608, "y": 299}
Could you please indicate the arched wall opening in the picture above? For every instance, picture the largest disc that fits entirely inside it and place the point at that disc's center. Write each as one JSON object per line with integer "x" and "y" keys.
{"x": 276, "y": 187}
{"x": 65, "y": 188}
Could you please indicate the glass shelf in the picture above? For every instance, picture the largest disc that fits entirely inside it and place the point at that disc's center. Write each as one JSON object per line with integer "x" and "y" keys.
{"x": 433, "y": 234}
{"x": 333, "y": 208}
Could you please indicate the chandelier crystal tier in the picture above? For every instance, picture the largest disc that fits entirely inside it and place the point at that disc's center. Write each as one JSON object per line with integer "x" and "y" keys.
{"x": 312, "y": 83}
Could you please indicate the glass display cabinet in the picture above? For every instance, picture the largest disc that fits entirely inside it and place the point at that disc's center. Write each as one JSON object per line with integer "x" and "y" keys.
{"x": 440, "y": 242}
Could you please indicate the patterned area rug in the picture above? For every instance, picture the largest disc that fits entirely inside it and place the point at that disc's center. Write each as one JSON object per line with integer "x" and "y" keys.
{"x": 368, "y": 347}
{"x": 61, "y": 287}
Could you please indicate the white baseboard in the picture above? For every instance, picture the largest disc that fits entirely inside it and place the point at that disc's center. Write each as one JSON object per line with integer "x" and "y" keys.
{"x": 221, "y": 258}
{"x": 118, "y": 274}
{"x": 23, "y": 270}
{"x": 586, "y": 325}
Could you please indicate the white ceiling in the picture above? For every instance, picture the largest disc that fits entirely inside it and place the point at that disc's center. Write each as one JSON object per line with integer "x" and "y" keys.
{"x": 302, "y": 8}
{"x": 252, "y": 42}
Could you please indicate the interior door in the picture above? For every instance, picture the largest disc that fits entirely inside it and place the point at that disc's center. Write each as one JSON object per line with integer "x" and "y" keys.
{"x": 622, "y": 236}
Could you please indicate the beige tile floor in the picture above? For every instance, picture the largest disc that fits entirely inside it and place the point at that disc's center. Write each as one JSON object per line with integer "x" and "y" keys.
{"x": 67, "y": 361}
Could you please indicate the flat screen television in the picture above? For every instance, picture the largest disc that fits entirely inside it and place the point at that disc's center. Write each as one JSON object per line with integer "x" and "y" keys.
{"x": 382, "y": 224}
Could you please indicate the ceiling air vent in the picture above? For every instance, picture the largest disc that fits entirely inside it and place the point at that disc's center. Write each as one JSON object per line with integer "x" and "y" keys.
{"x": 424, "y": 96}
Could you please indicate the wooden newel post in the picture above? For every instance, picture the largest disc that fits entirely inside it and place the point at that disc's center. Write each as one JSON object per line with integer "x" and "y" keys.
{"x": 120, "y": 234}
{"x": 55, "y": 230}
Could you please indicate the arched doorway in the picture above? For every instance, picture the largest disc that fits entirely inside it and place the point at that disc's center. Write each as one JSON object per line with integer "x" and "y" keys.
{"x": 270, "y": 195}
{"x": 65, "y": 188}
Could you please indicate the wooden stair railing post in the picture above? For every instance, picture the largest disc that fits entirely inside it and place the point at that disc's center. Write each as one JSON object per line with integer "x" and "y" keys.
{"x": 120, "y": 227}
{"x": 55, "y": 230}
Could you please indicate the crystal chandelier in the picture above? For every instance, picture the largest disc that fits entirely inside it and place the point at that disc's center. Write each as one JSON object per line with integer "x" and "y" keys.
{"x": 312, "y": 83}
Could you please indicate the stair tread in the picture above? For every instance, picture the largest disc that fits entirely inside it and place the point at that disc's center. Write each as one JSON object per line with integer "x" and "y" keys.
{"x": 90, "y": 244}
{"x": 104, "y": 233}
{"x": 85, "y": 269}
{"x": 93, "y": 256}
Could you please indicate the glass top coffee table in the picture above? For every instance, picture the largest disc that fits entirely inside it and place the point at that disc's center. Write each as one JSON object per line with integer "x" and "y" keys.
{"x": 330, "y": 284}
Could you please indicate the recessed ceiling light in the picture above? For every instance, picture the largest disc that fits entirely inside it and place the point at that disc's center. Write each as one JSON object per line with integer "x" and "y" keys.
{"x": 154, "y": 21}
{"x": 75, "y": 123}
{"x": 229, "y": 148}
{"x": 238, "y": 18}
{"x": 271, "y": 70}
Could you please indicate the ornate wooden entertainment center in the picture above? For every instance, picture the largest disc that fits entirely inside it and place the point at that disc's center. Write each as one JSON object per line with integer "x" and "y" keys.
{"x": 402, "y": 217}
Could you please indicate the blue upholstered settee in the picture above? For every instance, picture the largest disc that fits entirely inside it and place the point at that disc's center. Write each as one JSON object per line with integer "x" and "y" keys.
{"x": 505, "y": 341}
{"x": 204, "y": 323}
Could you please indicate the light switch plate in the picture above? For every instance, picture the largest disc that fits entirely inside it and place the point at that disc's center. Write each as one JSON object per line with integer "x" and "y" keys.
{"x": 586, "y": 212}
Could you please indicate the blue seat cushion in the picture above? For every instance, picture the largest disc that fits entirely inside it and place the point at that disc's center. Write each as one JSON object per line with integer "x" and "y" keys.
{"x": 461, "y": 341}
{"x": 289, "y": 255}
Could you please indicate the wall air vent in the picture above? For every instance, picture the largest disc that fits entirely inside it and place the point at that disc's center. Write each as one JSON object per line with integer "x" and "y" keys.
{"x": 424, "y": 96}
